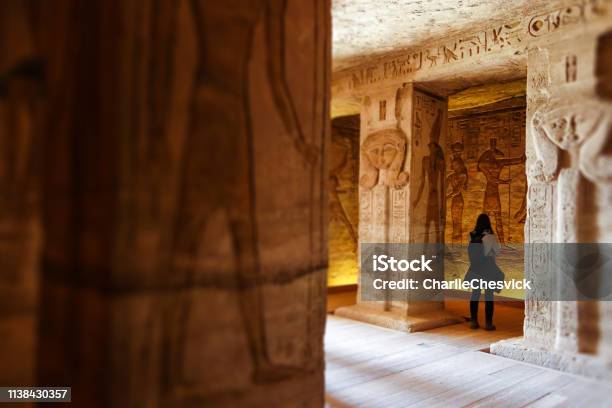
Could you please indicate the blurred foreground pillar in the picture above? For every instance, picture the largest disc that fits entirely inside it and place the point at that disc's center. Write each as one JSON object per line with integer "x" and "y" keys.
{"x": 184, "y": 202}
{"x": 21, "y": 79}
{"x": 569, "y": 171}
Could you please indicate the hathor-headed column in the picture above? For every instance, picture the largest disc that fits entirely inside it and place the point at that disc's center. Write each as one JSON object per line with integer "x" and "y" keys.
{"x": 401, "y": 196}
{"x": 569, "y": 123}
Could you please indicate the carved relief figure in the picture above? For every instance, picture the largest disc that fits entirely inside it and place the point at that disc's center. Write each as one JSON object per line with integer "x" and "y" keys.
{"x": 491, "y": 163}
{"x": 521, "y": 214}
{"x": 449, "y": 55}
{"x": 336, "y": 209}
{"x": 583, "y": 131}
{"x": 433, "y": 169}
{"x": 433, "y": 59}
{"x": 571, "y": 70}
{"x": 384, "y": 153}
{"x": 240, "y": 217}
{"x": 457, "y": 182}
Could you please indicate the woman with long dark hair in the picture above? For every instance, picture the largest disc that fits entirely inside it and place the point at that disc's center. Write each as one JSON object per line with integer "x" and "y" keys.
{"x": 482, "y": 249}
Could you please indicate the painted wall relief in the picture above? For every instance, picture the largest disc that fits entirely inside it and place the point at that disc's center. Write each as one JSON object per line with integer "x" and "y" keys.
{"x": 490, "y": 164}
{"x": 487, "y": 173}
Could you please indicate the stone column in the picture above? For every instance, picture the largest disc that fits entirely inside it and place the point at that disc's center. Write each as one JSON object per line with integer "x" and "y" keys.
{"x": 395, "y": 198}
{"x": 20, "y": 237}
{"x": 569, "y": 122}
{"x": 184, "y": 202}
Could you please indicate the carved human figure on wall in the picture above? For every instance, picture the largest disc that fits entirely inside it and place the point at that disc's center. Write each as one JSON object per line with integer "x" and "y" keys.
{"x": 433, "y": 169}
{"x": 521, "y": 214}
{"x": 491, "y": 163}
{"x": 336, "y": 209}
{"x": 457, "y": 183}
{"x": 383, "y": 155}
{"x": 236, "y": 186}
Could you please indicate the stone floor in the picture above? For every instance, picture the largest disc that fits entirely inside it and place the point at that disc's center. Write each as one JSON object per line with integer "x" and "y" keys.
{"x": 370, "y": 366}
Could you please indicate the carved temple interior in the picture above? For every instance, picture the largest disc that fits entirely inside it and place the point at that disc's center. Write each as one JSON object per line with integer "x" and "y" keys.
{"x": 187, "y": 188}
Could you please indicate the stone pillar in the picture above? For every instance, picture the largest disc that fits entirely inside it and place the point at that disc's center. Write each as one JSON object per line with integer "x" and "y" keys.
{"x": 20, "y": 237}
{"x": 569, "y": 122}
{"x": 401, "y": 201}
{"x": 184, "y": 202}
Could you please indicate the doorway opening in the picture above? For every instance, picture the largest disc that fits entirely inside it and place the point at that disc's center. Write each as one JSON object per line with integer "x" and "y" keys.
{"x": 483, "y": 147}
{"x": 485, "y": 173}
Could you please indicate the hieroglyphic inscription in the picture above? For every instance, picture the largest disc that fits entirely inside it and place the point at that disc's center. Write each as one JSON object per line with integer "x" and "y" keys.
{"x": 571, "y": 69}
{"x": 470, "y": 46}
{"x": 514, "y": 35}
{"x": 382, "y": 110}
{"x": 380, "y": 195}
{"x": 398, "y": 231}
{"x": 546, "y": 23}
{"x": 365, "y": 215}
{"x": 539, "y": 233}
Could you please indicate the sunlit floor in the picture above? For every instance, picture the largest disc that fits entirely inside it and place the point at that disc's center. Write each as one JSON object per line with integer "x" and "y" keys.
{"x": 370, "y": 366}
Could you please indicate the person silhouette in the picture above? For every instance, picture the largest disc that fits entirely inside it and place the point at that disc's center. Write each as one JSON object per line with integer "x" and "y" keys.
{"x": 482, "y": 250}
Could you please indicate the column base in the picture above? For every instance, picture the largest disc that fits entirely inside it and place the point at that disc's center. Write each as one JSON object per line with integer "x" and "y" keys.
{"x": 398, "y": 318}
{"x": 575, "y": 363}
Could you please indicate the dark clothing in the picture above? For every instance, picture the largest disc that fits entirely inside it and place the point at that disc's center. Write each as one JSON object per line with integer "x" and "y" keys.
{"x": 488, "y": 306}
{"x": 481, "y": 267}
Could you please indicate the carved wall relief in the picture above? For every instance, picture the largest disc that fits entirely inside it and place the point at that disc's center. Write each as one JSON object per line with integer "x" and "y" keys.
{"x": 583, "y": 130}
{"x": 490, "y": 164}
{"x": 603, "y": 66}
{"x": 546, "y": 23}
{"x": 382, "y": 114}
{"x": 343, "y": 201}
{"x": 494, "y": 143}
{"x": 513, "y": 35}
{"x": 567, "y": 127}
{"x": 456, "y": 182}
{"x": 571, "y": 68}
{"x": 22, "y": 139}
{"x": 245, "y": 304}
{"x": 384, "y": 153}
{"x": 596, "y": 154}
{"x": 539, "y": 314}
{"x": 433, "y": 170}
{"x": 568, "y": 140}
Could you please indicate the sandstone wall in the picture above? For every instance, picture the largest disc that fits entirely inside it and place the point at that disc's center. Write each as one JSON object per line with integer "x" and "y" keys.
{"x": 184, "y": 201}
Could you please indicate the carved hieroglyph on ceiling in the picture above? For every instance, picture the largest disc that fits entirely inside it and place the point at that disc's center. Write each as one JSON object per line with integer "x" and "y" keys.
{"x": 366, "y": 28}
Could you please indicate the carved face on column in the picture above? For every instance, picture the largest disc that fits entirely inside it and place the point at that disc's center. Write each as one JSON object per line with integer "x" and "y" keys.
{"x": 384, "y": 150}
{"x": 586, "y": 126}
{"x": 567, "y": 126}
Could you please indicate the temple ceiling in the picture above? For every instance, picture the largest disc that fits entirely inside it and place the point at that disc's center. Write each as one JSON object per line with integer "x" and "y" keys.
{"x": 363, "y": 29}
